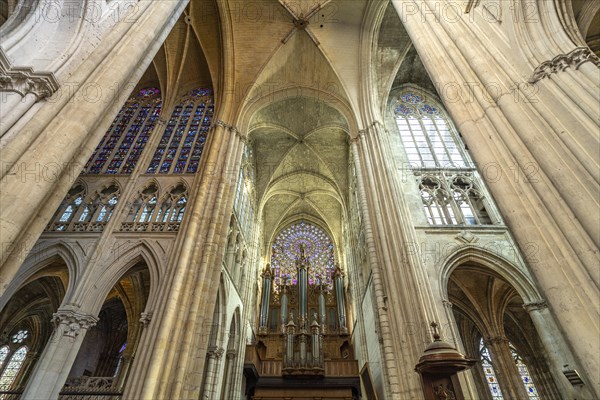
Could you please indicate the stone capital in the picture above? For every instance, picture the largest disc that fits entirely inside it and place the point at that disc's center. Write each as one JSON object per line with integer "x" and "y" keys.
{"x": 535, "y": 306}
{"x": 145, "y": 318}
{"x": 215, "y": 352}
{"x": 24, "y": 80}
{"x": 561, "y": 62}
{"x": 496, "y": 340}
{"x": 70, "y": 323}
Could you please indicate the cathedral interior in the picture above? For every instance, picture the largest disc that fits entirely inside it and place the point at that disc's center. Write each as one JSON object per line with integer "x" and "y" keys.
{"x": 300, "y": 199}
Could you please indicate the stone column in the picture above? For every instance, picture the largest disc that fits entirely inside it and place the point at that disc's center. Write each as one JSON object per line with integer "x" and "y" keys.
{"x": 52, "y": 370}
{"x": 193, "y": 279}
{"x": 388, "y": 228}
{"x": 213, "y": 356}
{"x": 20, "y": 89}
{"x": 557, "y": 352}
{"x": 504, "y": 366}
{"x": 542, "y": 161}
{"x": 263, "y": 327}
{"x": 39, "y": 167}
{"x": 229, "y": 375}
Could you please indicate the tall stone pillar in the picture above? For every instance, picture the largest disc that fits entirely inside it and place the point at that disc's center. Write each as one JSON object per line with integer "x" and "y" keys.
{"x": 213, "y": 356}
{"x": 510, "y": 109}
{"x": 388, "y": 230}
{"x": 53, "y": 368}
{"x": 194, "y": 276}
{"x": 505, "y": 368}
{"x": 266, "y": 298}
{"x": 340, "y": 298}
{"x": 558, "y": 353}
{"x": 229, "y": 375}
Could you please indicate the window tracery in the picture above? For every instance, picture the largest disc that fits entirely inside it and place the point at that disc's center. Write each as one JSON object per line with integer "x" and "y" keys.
{"x": 449, "y": 185}
{"x": 183, "y": 140}
{"x": 318, "y": 249}
{"x": 149, "y": 213}
{"x": 16, "y": 353}
{"x": 80, "y": 214}
{"x": 124, "y": 141}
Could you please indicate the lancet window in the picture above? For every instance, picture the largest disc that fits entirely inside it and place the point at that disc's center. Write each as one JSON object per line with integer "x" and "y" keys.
{"x": 152, "y": 212}
{"x": 524, "y": 374}
{"x": 488, "y": 371}
{"x": 183, "y": 140}
{"x": 123, "y": 143}
{"x": 451, "y": 190}
{"x": 244, "y": 204}
{"x": 80, "y": 212}
{"x": 12, "y": 357}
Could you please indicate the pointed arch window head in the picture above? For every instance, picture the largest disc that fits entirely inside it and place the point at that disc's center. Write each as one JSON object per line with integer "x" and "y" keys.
{"x": 429, "y": 139}
{"x": 318, "y": 250}
{"x": 524, "y": 374}
{"x": 183, "y": 140}
{"x": 10, "y": 372}
{"x": 123, "y": 143}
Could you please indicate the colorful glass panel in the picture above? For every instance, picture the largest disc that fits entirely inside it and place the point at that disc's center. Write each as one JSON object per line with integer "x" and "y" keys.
{"x": 181, "y": 145}
{"x": 318, "y": 250}
{"x": 525, "y": 375}
{"x": 12, "y": 368}
{"x": 3, "y": 354}
{"x": 123, "y": 143}
{"x": 427, "y": 135}
{"x": 488, "y": 371}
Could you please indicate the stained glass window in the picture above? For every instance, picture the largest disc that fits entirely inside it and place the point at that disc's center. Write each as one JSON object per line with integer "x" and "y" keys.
{"x": 447, "y": 179}
{"x": 488, "y": 371}
{"x": 20, "y": 336}
{"x": 71, "y": 209}
{"x": 318, "y": 249}
{"x": 12, "y": 368}
{"x": 123, "y": 143}
{"x": 525, "y": 375}
{"x": 3, "y": 354}
{"x": 428, "y": 138}
{"x": 183, "y": 140}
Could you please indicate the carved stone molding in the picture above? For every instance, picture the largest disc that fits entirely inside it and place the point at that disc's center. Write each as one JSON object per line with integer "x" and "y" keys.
{"x": 231, "y": 354}
{"x": 24, "y": 80}
{"x": 466, "y": 237}
{"x": 496, "y": 340}
{"x": 535, "y": 306}
{"x": 70, "y": 323}
{"x": 215, "y": 352}
{"x": 447, "y": 303}
{"x": 574, "y": 59}
{"x": 145, "y": 318}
